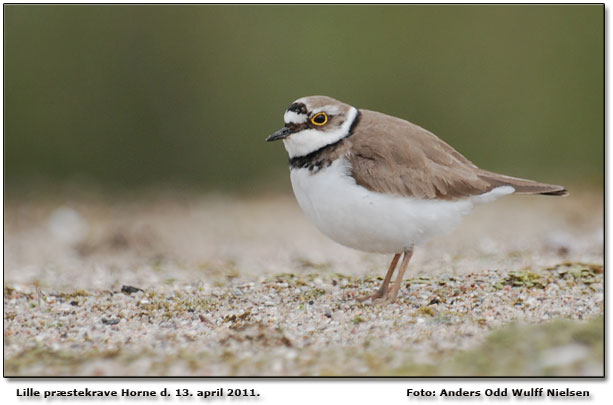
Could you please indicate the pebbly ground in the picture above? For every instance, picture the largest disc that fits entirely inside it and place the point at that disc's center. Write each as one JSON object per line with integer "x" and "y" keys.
{"x": 214, "y": 285}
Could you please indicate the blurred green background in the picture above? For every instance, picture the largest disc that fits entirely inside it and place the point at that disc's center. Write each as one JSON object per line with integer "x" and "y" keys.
{"x": 124, "y": 96}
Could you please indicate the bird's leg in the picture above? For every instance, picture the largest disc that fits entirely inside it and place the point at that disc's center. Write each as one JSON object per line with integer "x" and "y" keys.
{"x": 382, "y": 291}
{"x": 398, "y": 282}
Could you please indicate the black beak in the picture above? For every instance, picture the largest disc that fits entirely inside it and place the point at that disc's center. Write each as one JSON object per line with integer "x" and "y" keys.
{"x": 280, "y": 134}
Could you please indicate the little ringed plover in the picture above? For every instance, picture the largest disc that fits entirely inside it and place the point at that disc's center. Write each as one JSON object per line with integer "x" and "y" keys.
{"x": 381, "y": 184}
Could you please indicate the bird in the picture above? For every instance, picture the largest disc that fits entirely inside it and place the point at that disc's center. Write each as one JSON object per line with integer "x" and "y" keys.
{"x": 381, "y": 184}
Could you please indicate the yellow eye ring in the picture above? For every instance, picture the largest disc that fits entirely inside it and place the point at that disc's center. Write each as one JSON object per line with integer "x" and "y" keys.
{"x": 319, "y": 119}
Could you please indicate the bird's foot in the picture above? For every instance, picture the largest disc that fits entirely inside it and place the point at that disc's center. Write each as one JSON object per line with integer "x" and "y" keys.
{"x": 384, "y": 300}
{"x": 376, "y": 299}
{"x": 379, "y": 298}
{"x": 372, "y": 297}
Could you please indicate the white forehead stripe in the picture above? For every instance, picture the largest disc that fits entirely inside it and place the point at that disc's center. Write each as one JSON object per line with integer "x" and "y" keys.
{"x": 292, "y": 117}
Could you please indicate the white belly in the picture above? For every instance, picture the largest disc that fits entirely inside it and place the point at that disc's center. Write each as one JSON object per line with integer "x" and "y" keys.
{"x": 374, "y": 222}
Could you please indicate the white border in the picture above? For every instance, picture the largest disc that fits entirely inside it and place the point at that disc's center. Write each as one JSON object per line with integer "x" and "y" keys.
{"x": 312, "y": 391}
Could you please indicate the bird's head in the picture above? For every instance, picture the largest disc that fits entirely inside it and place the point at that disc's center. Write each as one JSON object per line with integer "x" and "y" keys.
{"x": 314, "y": 122}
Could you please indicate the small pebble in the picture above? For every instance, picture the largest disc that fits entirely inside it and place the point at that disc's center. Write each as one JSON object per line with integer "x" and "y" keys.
{"x": 128, "y": 289}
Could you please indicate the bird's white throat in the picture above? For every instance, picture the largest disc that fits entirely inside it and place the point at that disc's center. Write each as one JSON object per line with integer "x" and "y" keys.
{"x": 309, "y": 140}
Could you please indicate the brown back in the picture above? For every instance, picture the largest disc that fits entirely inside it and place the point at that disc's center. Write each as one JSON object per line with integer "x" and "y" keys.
{"x": 394, "y": 156}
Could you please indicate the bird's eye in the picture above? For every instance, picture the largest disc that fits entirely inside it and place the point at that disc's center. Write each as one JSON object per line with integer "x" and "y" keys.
{"x": 319, "y": 119}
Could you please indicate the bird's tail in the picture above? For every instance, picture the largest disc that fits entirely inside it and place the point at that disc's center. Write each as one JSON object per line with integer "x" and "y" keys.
{"x": 522, "y": 186}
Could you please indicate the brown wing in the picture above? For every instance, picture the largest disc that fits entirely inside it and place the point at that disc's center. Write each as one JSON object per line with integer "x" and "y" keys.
{"x": 393, "y": 156}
